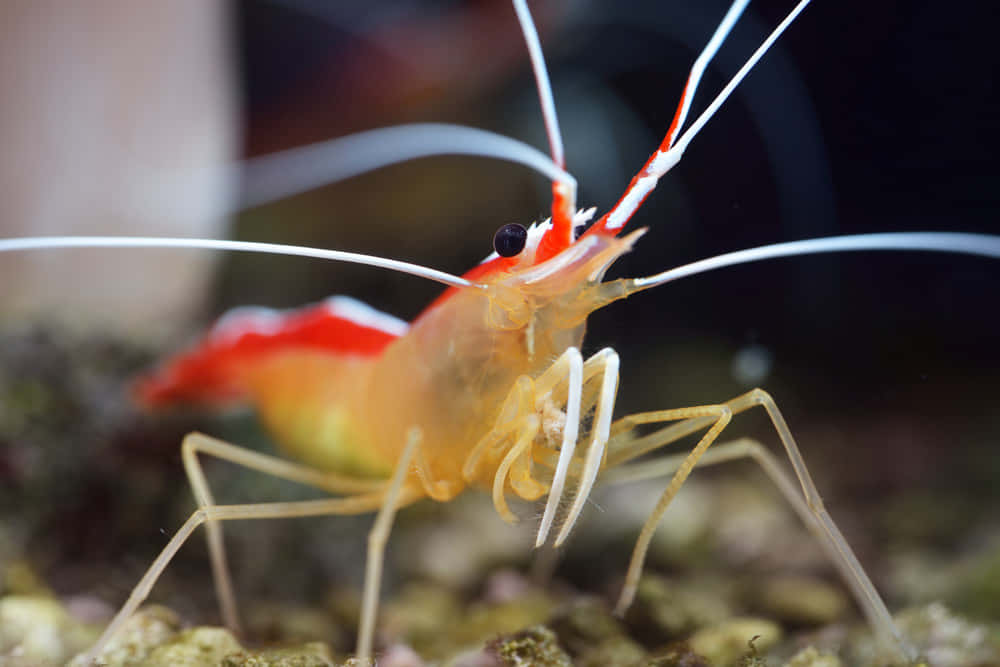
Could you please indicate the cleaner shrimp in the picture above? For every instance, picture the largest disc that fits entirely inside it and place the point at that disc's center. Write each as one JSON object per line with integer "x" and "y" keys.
{"x": 507, "y": 467}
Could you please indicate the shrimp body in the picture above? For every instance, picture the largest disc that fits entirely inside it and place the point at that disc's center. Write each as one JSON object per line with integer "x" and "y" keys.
{"x": 347, "y": 410}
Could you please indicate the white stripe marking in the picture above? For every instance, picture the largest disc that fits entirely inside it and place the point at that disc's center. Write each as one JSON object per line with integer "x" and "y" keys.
{"x": 630, "y": 202}
{"x": 364, "y": 315}
{"x": 236, "y": 322}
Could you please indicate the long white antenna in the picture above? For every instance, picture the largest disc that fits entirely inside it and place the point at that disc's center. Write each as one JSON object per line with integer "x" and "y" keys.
{"x": 278, "y": 175}
{"x": 702, "y": 61}
{"x": 55, "y": 242}
{"x": 671, "y": 150}
{"x": 669, "y": 158}
{"x": 542, "y": 81}
{"x": 563, "y": 192}
{"x": 983, "y": 245}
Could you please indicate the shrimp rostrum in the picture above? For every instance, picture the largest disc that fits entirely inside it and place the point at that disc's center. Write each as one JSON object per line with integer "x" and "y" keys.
{"x": 487, "y": 388}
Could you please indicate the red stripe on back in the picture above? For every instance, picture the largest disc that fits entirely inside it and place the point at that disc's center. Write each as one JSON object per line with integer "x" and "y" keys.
{"x": 211, "y": 372}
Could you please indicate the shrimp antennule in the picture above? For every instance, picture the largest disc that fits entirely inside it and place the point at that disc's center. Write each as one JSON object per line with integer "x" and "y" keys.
{"x": 563, "y": 194}
{"x": 670, "y": 151}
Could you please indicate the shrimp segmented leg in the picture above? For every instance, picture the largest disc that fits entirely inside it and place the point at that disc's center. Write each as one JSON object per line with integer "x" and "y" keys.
{"x": 357, "y": 503}
{"x": 199, "y": 443}
{"x": 395, "y": 497}
{"x": 809, "y": 505}
{"x": 719, "y": 416}
{"x": 732, "y": 450}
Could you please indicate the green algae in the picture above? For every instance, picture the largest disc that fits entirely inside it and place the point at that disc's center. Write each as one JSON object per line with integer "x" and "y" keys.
{"x": 20, "y": 578}
{"x": 679, "y": 654}
{"x": 311, "y": 654}
{"x": 586, "y": 623}
{"x": 535, "y": 647}
{"x": 288, "y": 623}
{"x": 665, "y": 609}
{"x": 196, "y": 647}
{"x": 612, "y": 652}
{"x": 728, "y": 642}
{"x": 150, "y": 627}
{"x": 813, "y": 657}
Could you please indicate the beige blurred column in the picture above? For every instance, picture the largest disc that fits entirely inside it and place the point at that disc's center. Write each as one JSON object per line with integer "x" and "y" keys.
{"x": 116, "y": 117}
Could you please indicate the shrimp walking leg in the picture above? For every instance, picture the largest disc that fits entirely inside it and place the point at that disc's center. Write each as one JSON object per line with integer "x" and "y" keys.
{"x": 356, "y": 504}
{"x": 816, "y": 517}
{"x": 195, "y": 443}
{"x": 395, "y": 497}
{"x": 733, "y": 450}
{"x": 719, "y": 416}
{"x": 742, "y": 448}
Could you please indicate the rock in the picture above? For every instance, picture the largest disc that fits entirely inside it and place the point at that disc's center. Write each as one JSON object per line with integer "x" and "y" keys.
{"x": 941, "y": 637}
{"x": 612, "y": 652}
{"x": 801, "y": 600}
{"x": 311, "y": 654}
{"x": 37, "y": 630}
{"x": 584, "y": 624}
{"x": 726, "y": 642}
{"x": 535, "y": 647}
{"x": 679, "y": 654}
{"x": 197, "y": 647}
{"x": 811, "y": 657}
{"x": 150, "y": 627}
{"x": 665, "y": 610}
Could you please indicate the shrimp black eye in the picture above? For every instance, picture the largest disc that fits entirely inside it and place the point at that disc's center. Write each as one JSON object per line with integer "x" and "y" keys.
{"x": 510, "y": 240}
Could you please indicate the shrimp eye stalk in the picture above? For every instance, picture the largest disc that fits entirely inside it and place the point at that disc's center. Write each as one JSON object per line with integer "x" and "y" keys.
{"x": 510, "y": 240}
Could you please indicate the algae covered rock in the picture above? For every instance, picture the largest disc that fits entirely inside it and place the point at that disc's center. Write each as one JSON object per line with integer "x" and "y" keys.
{"x": 946, "y": 639}
{"x": 941, "y": 638}
{"x": 483, "y": 621}
{"x": 612, "y": 652}
{"x": 150, "y": 627}
{"x": 37, "y": 630}
{"x": 287, "y": 623}
{"x": 665, "y": 610}
{"x": 19, "y": 578}
{"x": 729, "y": 641}
{"x": 535, "y": 647}
{"x": 421, "y": 616}
{"x": 197, "y": 647}
{"x": 811, "y": 657}
{"x": 311, "y": 654}
{"x": 801, "y": 600}
{"x": 586, "y": 623}
{"x": 679, "y": 654}
{"x": 437, "y": 625}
